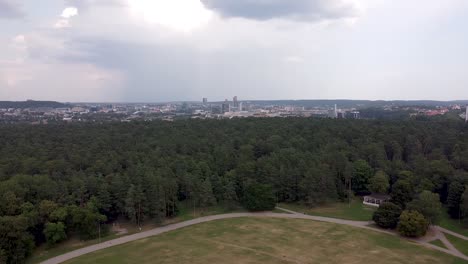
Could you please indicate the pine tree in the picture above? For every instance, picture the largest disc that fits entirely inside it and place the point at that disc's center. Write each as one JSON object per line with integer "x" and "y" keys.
{"x": 454, "y": 197}
{"x": 229, "y": 195}
{"x": 134, "y": 204}
{"x": 206, "y": 194}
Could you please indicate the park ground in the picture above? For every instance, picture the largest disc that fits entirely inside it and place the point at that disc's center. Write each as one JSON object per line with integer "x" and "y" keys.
{"x": 268, "y": 240}
{"x": 186, "y": 213}
{"x": 350, "y": 211}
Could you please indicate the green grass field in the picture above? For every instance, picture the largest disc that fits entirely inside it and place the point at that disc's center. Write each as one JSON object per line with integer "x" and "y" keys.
{"x": 354, "y": 211}
{"x": 268, "y": 240}
{"x": 186, "y": 212}
{"x": 452, "y": 225}
{"x": 438, "y": 243}
{"x": 460, "y": 244}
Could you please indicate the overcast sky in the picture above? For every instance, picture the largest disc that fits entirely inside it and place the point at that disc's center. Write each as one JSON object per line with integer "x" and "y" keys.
{"x": 164, "y": 50}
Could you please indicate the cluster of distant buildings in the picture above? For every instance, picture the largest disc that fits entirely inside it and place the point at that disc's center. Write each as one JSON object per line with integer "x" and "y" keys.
{"x": 437, "y": 111}
{"x": 238, "y": 109}
{"x": 127, "y": 112}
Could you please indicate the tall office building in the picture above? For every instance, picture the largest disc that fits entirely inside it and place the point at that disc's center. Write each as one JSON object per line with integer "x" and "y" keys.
{"x": 236, "y": 103}
{"x": 335, "y": 114}
{"x": 205, "y": 101}
{"x": 226, "y": 107}
{"x": 466, "y": 114}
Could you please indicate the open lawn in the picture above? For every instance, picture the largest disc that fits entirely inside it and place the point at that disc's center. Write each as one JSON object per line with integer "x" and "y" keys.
{"x": 354, "y": 211}
{"x": 452, "y": 225}
{"x": 268, "y": 240}
{"x": 186, "y": 212}
{"x": 438, "y": 243}
{"x": 460, "y": 244}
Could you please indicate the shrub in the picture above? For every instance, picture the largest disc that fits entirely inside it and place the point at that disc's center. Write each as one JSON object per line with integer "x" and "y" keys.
{"x": 387, "y": 215}
{"x": 54, "y": 233}
{"x": 412, "y": 224}
{"x": 259, "y": 197}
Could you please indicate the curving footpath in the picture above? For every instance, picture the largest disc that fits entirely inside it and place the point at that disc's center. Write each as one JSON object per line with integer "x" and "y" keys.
{"x": 164, "y": 229}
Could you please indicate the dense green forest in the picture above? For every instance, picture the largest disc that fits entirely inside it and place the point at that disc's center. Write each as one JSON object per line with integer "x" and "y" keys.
{"x": 67, "y": 179}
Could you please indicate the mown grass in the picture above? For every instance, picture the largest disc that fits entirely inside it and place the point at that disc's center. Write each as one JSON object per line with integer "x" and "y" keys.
{"x": 453, "y": 225}
{"x": 460, "y": 244}
{"x": 438, "y": 243}
{"x": 268, "y": 240}
{"x": 349, "y": 211}
{"x": 186, "y": 212}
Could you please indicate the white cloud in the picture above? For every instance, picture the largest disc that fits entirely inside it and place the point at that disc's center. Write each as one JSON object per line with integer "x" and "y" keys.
{"x": 19, "y": 39}
{"x": 69, "y": 12}
{"x": 62, "y": 23}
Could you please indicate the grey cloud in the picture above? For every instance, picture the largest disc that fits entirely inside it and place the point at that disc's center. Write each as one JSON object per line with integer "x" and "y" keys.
{"x": 179, "y": 72}
{"x": 83, "y": 5}
{"x": 302, "y": 10}
{"x": 9, "y": 9}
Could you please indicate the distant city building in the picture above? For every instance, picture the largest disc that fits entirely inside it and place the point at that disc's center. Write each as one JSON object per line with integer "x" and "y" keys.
{"x": 354, "y": 115}
{"x": 235, "y": 102}
{"x": 226, "y": 107}
{"x": 466, "y": 114}
{"x": 205, "y": 101}
{"x": 333, "y": 113}
{"x": 216, "y": 109}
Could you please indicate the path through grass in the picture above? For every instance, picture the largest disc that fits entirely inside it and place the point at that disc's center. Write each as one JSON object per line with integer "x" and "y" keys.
{"x": 354, "y": 211}
{"x": 186, "y": 212}
{"x": 268, "y": 240}
{"x": 453, "y": 225}
{"x": 460, "y": 244}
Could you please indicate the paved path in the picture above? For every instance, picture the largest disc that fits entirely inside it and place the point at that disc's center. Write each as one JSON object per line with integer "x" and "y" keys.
{"x": 435, "y": 233}
{"x": 441, "y": 229}
{"x": 164, "y": 229}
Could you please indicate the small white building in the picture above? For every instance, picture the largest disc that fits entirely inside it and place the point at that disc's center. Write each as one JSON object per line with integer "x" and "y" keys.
{"x": 376, "y": 199}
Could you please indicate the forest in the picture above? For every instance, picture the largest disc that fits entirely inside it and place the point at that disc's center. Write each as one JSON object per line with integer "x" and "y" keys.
{"x": 60, "y": 180}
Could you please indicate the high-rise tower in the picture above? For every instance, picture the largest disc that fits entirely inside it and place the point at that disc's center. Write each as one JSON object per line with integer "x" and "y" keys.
{"x": 235, "y": 102}
{"x": 466, "y": 114}
{"x": 225, "y": 107}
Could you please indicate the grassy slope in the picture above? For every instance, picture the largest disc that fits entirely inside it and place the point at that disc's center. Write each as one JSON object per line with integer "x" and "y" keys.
{"x": 186, "y": 212}
{"x": 267, "y": 240}
{"x": 452, "y": 225}
{"x": 460, "y": 244}
{"x": 355, "y": 211}
{"x": 438, "y": 243}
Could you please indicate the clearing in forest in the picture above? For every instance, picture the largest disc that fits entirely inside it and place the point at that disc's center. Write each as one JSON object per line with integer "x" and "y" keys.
{"x": 268, "y": 240}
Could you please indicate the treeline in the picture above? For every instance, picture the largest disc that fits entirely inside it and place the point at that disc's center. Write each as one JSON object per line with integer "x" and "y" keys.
{"x": 31, "y": 104}
{"x": 62, "y": 180}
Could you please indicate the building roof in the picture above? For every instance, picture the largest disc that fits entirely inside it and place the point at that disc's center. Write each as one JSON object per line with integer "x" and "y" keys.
{"x": 379, "y": 196}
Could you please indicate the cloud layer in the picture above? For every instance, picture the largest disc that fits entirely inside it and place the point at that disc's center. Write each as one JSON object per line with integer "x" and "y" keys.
{"x": 109, "y": 50}
{"x": 302, "y": 10}
{"x": 10, "y": 9}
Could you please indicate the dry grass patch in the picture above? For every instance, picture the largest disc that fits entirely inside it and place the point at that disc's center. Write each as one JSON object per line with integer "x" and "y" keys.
{"x": 268, "y": 240}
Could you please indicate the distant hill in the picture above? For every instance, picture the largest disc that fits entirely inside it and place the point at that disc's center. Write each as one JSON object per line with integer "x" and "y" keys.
{"x": 31, "y": 104}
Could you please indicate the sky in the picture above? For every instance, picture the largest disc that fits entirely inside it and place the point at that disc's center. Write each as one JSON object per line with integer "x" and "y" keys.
{"x": 176, "y": 50}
